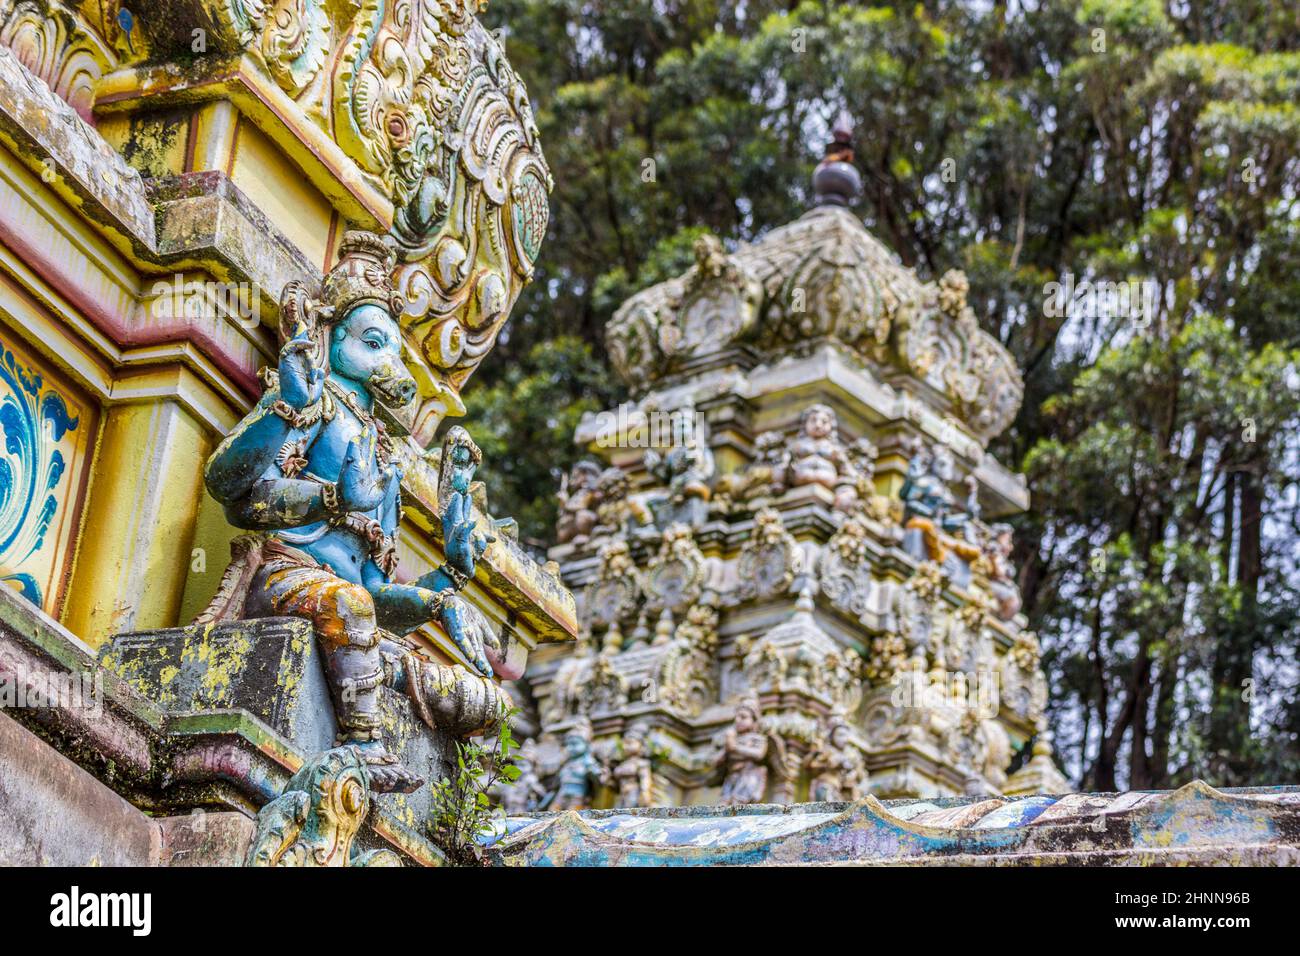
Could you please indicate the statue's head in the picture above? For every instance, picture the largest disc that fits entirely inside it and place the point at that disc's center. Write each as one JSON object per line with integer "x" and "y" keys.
{"x": 942, "y": 465}
{"x": 366, "y": 348}
{"x": 819, "y": 421}
{"x": 1003, "y": 537}
{"x": 747, "y": 716}
{"x": 633, "y": 743}
{"x": 355, "y": 322}
{"x": 584, "y": 474}
{"x": 578, "y": 740}
{"x": 837, "y": 731}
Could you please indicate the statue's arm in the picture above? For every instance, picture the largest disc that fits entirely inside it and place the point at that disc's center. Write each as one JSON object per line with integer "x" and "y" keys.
{"x": 401, "y": 608}
{"x": 755, "y": 752}
{"x": 248, "y": 453}
{"x": 276, "y": 502}
{"x": 290, "y": 407}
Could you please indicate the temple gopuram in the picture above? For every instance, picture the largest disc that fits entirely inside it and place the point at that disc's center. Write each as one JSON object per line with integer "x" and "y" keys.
{"x": 800, "y": 638}
{"x": 794, "y": 535}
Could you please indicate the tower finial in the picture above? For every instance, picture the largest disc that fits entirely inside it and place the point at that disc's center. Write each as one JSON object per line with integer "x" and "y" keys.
{"x": 836, "y": 181}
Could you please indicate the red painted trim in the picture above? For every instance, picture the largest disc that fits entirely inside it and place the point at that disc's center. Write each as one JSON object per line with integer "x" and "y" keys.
{"x": 117, "y": 328}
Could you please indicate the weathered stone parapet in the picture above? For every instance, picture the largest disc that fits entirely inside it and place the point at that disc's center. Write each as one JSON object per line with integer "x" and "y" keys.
{"x": 1196, "y": 825}
{"x": 269, "y": 672}
{"x": 57, "y": 814}
{"x": 99, "y": 733}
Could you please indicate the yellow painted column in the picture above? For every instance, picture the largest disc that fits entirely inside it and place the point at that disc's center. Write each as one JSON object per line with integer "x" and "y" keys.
{"x": 138, "y": 526}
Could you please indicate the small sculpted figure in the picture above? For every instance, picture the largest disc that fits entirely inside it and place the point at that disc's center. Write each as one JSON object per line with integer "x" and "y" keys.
{"x": 817, "y": 456}
{"x": 1002, "y": 572}
{"x": 749, "y": 755}
{"x": 632, "y": 774}
{"x": 579, "y": 500}
{"x": 581, "y": 773}
{"x": 686, "y": 468}
{"x": 313, "y": 471}
{"x": 835, "y": 766}
{"x": 931, "y": 509}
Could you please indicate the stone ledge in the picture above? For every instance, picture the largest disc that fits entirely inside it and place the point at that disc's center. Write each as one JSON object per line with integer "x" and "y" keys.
{"x": 154, "y": 759}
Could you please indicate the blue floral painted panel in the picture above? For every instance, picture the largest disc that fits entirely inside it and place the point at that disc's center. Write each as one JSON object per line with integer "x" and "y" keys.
{"x": 41, "y": 446}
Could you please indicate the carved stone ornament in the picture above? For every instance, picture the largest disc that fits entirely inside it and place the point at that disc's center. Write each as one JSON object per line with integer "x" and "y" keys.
{"x": 687, "y": 677}
{"x": 769, "y": 560}
{"x": 711, "y": 305}
{"x": 613, "y": 594}
{"x": 315, "y": 820}
{"x": 675, "y": 575}
{"x": 421, "y": 98}
{"x": 1024, "y": 686}
{"x": 845, "y": 567}
{"x": 824, "y": 276}
{"x": 56, "y": 43}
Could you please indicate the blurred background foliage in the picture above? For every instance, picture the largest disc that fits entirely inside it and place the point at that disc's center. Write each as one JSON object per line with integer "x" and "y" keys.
{"x": 1112, "y": 139}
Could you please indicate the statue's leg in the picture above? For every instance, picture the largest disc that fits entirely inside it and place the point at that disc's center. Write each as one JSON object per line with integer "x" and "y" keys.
{"x": 343, "y": 616}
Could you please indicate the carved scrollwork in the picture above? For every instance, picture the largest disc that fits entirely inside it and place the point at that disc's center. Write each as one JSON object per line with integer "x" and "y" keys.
{"x": 845, "y": 567}
{"x": 675, "y": 575}
{"x": 613, "y": 594}
{"x": 769, "y": 560}
{"x": 942, "y": 343}
{"x": 56, "y": 44}
{"x": 423, "y": 100}
{"x": 712, "y": 305}
{"x": 687, "y": 675}
{"x": 315, "y": 820}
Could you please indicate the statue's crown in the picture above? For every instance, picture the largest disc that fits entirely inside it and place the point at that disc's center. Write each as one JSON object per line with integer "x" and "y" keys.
{"x": 363, "y": 274}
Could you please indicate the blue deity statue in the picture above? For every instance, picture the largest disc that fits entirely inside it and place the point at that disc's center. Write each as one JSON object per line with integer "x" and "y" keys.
{"x": 314, "y": 472}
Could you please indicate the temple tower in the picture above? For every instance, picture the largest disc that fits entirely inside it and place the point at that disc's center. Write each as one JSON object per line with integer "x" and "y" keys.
{"x": 797, "y": 514}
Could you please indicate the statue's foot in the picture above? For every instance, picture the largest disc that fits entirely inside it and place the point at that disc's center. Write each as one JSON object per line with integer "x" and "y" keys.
{"x": 387, "y": 773}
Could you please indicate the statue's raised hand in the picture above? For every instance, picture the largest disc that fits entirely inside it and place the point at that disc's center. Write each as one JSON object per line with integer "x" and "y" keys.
{"x": 301, "y": 380}
{"x": 463, "y": 546}
{"x": 361, "y": 484}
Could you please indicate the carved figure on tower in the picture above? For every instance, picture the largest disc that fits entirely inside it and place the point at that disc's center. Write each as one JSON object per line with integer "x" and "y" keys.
{"x": 935, "y": 523}
{"x": 581, "y": 773}
{"x": 632, "y": 774}
{"x": 835, "y": 767}
{"x": 1002, "y": 572}
{"x": 686, "y": 469}
{"x": 749, "y": 755}
{"x": 578, "y": 502}
{"x": 818, "y": 456}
